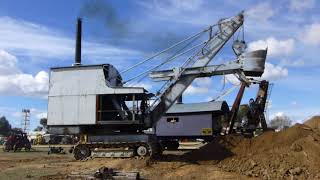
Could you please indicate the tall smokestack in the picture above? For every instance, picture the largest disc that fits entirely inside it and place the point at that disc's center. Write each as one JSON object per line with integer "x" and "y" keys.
{"x": 179, "y": 100}
{"x": 78, "y": 42}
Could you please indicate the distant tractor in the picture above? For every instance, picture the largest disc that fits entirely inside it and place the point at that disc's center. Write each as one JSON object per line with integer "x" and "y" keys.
{"x": 16, "y": 142}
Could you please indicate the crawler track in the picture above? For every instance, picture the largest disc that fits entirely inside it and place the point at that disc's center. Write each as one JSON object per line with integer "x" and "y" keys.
{"x": 150, "y": 149}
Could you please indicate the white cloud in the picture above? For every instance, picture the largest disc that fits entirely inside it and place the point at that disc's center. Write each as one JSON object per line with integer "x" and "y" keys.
{"x": 26, "y": 39}
{"x": 37, "y": 113}
{"x": 275, "y": 47}
{"x": 14, "y": 116}
{"x": 294, "y": 103}
{"x": 269, "y": 103}
{"x": 41, "y": 115}
{"x": 14, "y": 82}
{"x": 9, "y": 113}
{"x": 288, "y": 63}
{"x": 232, "y": 79}
{"x": 174, "y": 7}
{"x": 273, "y": 72}
{"x": 34, "y": 113}
{"x": 196, "y": 90}
{"x": 29, "y": 39}
{"x": 301, "y": 5}
{"x": 192, "y": 12}
{"x": 260, "y": 12}
{"x": 298, "y": 114}
{"x": 203, "y": 81}
{"x": 199, "y": 86}
{"x": 17, "y": 114}
{"x": 311, "y": 35}
{"x": 190, "y": 5}
{"x": 279, "y": 114}
{"x": 7, "y": 63}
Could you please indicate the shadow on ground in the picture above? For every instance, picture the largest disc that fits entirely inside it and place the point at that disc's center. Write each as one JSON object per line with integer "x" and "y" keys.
{"x": 214, "y": 151}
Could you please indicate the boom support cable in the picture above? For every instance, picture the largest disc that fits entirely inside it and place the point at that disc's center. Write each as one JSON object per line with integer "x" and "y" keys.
{"x": 165, "y": 50}
{"x": 166, "y": 61}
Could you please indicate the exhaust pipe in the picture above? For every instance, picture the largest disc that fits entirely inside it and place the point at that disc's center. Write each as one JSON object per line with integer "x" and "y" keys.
{"x": 179, "y": 100}
{"x": 78, "y": 43}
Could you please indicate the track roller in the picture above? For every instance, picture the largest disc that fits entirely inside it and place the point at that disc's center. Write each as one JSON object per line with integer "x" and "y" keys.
{"x": 81, "y": 152}
{"x": 155, "y": 149}
{"x": 142, "y": 150}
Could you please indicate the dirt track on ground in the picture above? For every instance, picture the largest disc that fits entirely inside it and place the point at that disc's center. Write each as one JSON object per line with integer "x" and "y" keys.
{"x": 290, "y": 154}
{"x": 39, "y": 165}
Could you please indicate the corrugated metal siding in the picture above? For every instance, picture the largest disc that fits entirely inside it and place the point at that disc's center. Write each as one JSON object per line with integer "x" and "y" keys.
{"x": 72, "y": 94}
{"x": 90, "y": 80}
{"x": 72, "y": 110}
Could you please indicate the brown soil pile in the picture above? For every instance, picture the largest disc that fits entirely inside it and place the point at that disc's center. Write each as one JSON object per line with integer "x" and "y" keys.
{"x": 314, "y": 123}
{"x": 292, "y": 153}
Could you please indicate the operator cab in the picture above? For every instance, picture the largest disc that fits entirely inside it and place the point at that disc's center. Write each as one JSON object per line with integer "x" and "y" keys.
{"x": 93, "y": 95}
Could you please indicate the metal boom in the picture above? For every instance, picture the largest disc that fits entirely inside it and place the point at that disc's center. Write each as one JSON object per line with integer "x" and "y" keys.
{"x": 178, "y": 85}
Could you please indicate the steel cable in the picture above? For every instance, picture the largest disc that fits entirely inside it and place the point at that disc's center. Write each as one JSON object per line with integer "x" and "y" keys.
{"x": 165, "y": 50}
{"x": 168, "y": 60}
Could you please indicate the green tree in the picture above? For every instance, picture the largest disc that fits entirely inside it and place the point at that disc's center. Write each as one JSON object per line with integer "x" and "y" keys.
{"x": 39, "y": 128}
{"x": 5, "y": 126}
{"x": 43, "y": 122}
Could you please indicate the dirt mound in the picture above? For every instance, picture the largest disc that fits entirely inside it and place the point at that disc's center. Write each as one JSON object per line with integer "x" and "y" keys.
{"x": 314, "y": 123}
{"x": 294, "y": 152}
{"x": 214, "y": 151}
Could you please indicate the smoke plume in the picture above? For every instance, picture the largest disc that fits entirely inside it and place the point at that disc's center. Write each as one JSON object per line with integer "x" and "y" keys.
{"x": 124, "y": 31}
{"x": 106, "y": 13}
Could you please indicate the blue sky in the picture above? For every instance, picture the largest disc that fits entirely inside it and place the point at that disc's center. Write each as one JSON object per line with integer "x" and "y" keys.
{"x": 36, "y": 35}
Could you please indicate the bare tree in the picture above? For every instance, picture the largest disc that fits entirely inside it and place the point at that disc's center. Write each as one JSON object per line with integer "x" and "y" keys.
{"x": 280, "y": 122}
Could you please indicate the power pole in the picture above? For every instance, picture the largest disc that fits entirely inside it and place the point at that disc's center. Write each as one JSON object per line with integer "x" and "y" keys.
{"x": 25, "y": 120}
